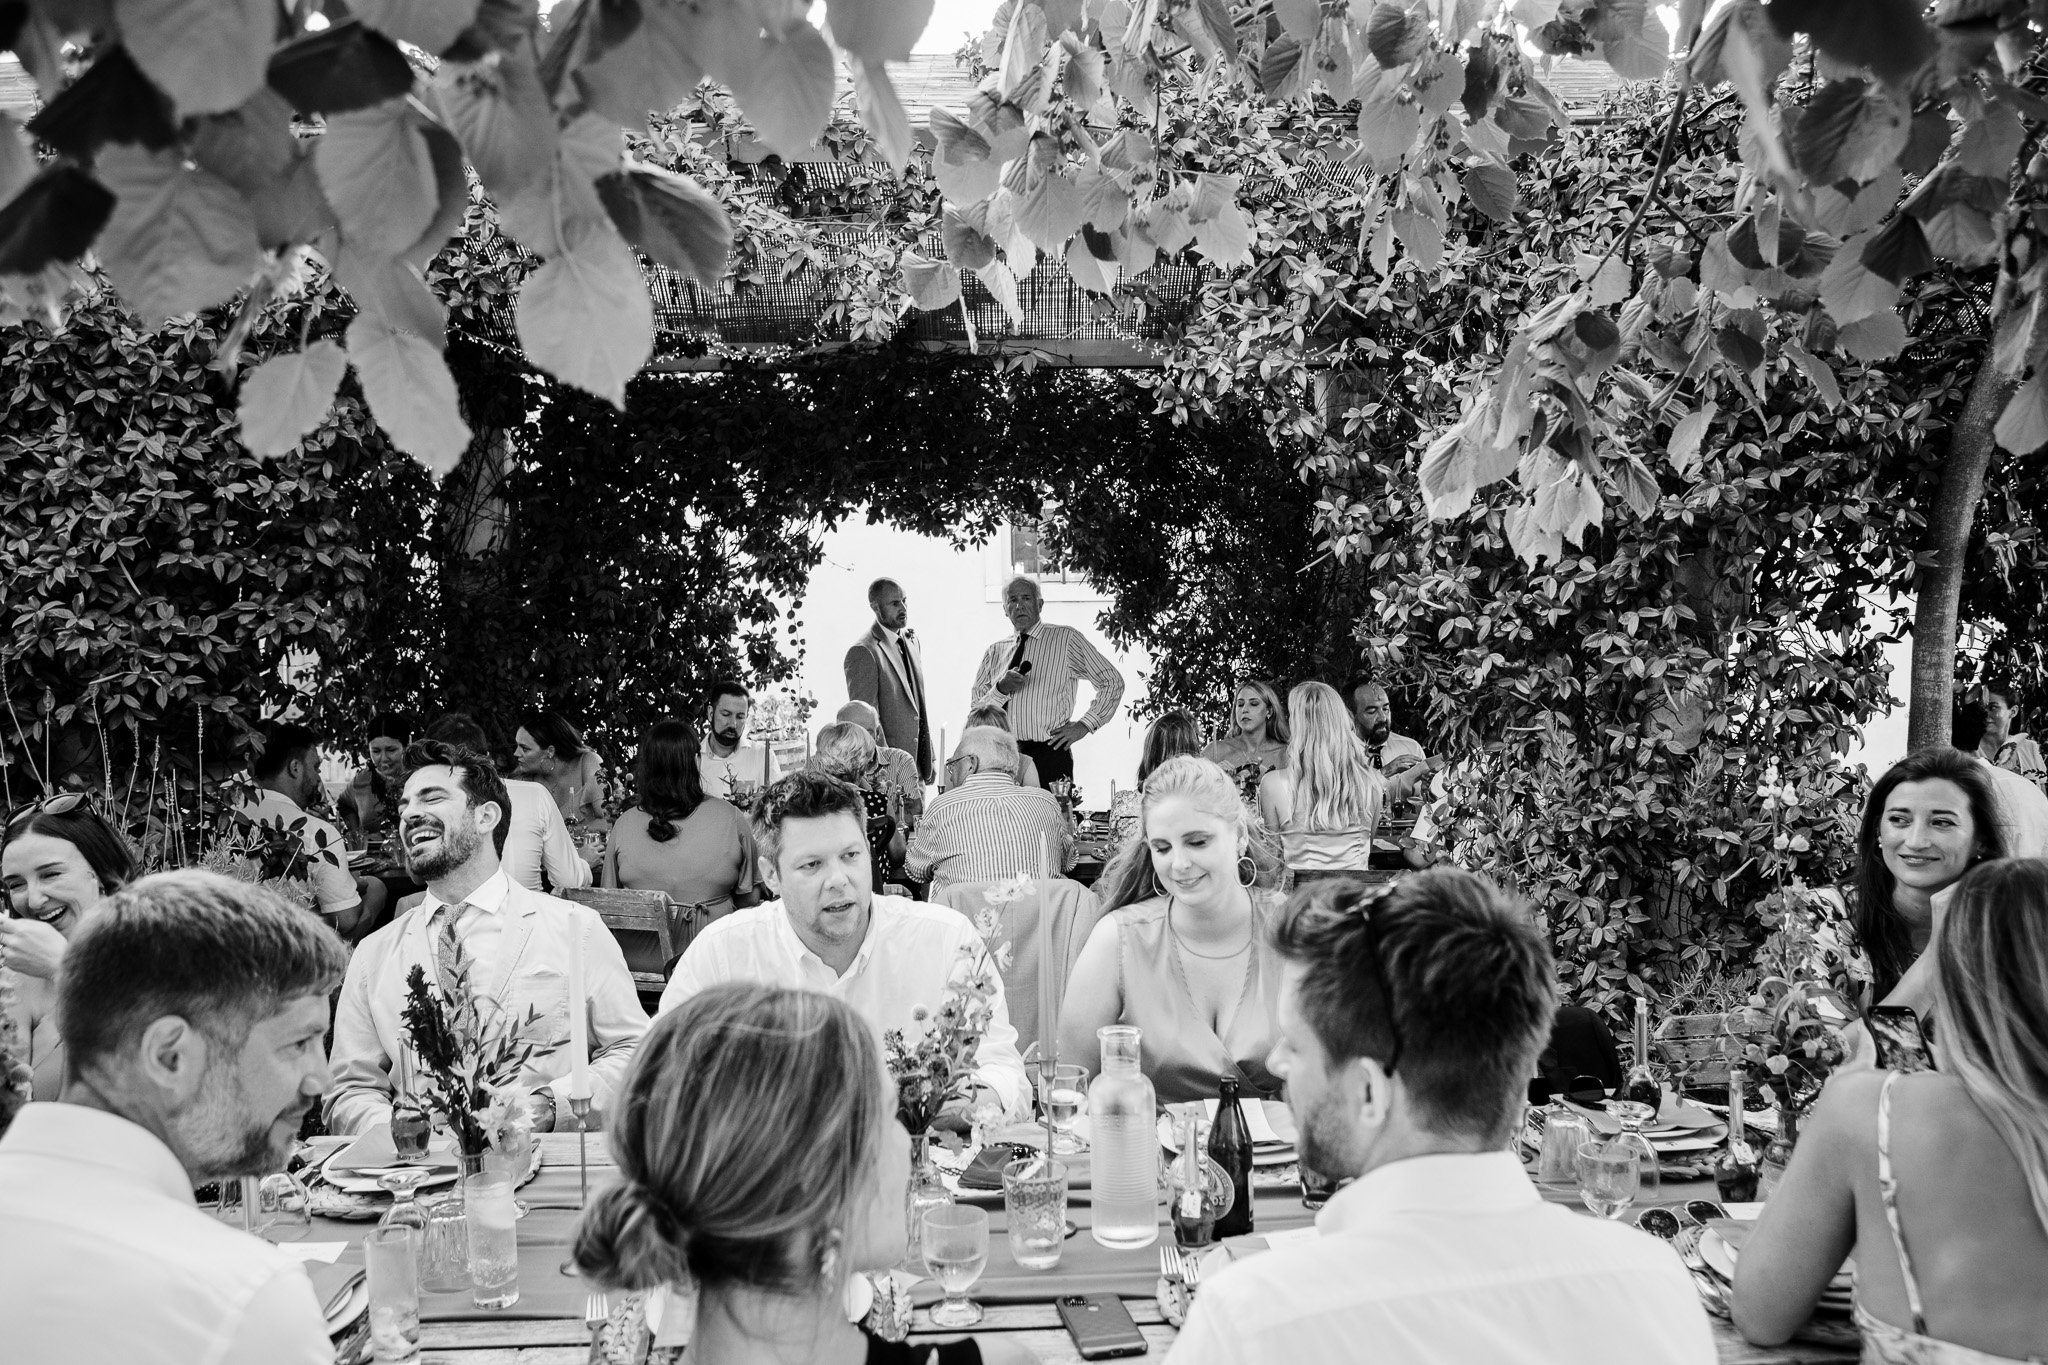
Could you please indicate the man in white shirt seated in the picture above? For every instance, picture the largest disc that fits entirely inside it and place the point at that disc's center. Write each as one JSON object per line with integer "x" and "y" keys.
{"x": 1410, "y": 1018}
{"x": 986, "y": 827}
{"x": 537, "y": 840}
{"x": 886, "y": 956}
{"x": 517, "y": 943}
{"x": 287, "y": 774}
{"x": 192, "y": 1008}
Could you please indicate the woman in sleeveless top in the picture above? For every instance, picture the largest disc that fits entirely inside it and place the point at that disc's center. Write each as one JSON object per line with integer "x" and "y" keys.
{"x": 1257, "y": 742}
{"x": 1180, "y": 951}
{"x": 58, "y": 860}
{"x": 695, "y": 849}
{"x": 1327, "y": 801}
{"x": 762, "y": 1168}
{"x": 1937, "y": 1181}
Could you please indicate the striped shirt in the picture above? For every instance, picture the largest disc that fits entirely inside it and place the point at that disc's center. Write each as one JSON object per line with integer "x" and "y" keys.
{"x": 986, "y": 829}
{"x": 1060, "y": 657}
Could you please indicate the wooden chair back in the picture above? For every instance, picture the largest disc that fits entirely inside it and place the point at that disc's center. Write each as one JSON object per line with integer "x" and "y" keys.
{"x": 645, "y": 923}
{"x": 1697, "y": 1043}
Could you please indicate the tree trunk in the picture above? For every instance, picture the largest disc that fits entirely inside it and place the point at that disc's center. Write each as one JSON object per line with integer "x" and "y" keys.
{"x": 1939, "y": 589}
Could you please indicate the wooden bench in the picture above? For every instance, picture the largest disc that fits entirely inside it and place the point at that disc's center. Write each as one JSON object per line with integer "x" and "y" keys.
{"x": 646, "y": 925}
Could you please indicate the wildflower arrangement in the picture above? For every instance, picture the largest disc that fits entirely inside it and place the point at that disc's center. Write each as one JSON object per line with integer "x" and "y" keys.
{"x": 937, "y": 1067}
{"x": 270, "y": 853}
{"x": 1789, "y": 1040}
{"x": 471, "y": 1053}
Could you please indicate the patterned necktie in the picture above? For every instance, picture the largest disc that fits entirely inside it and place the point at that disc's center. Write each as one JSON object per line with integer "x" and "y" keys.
{"x": 447, "y": 946}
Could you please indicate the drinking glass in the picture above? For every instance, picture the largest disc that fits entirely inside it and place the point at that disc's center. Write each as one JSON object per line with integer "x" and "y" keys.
{"x": 513, "y": 1159}
{"x": 1064, "y": 1096}
{"x": 405, "y": 1210}
{"x": 493, "y": 1239}
{"x": 1608, "y": 1175}
{"x": 444, "y": 1254}
{"x": 1633, "y": 1116}
{"x": 282, "y": 1213}
{"x": 1565, "y": 1130}
{"x": 955, "y": 1243}
{"x": 391, "y": 1255}
{"x": 1035, "y": 1206}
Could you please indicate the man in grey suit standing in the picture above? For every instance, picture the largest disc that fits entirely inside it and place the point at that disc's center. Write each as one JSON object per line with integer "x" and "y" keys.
{"x": 885, "y": 670}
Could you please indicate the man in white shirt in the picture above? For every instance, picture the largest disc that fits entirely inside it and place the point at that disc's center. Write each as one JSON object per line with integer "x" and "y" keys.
{"x": 1033, "y": 675}
{"x": 888, "y": 957}
{"x": 988, "y": 827}
{"x": 1410, "y": 1018}
{"x": 517, "y": 943}
{"x": 287, "y": 774}
{"x": 727, "y": 766}
{"x": 537, "y": 841}
{"x": 192, "y": 1008}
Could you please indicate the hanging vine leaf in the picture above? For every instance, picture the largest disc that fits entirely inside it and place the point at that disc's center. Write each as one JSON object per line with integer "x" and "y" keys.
{"x": 875, "y": 100}
{"x": 378, "y": 173}
{"x": 1851, "y": 130}
{"x": 287, "y": 396}
{"x": 585, "y": 318}
{"x": 430, "y": 25}
{"x": 180, "y": 238}
{"x": 207, "y": 55}
{"x": 670, "y": 217}
{"x": 111, "y": 102}
{"x": 1493, "y": 191}
{"x": 878, "y": 30}
{"x": 410, "y": 393}
{"x": 786, "y": 89}
{"x": 1396, "y": 34}
{"x": 655, "y": 71}
{"x": 340, "y": 70}
{"x": 933, "y": 284}
{"x": 1888, "y": 36}
{"x": 2023, "y": 427}
{"x": 54, "y": 219}
{"x": 501, "y": 115}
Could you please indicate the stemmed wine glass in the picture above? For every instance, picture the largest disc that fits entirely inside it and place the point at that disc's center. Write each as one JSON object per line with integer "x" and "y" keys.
{"x": 955, "y": 1243}
{"x": 405, "y": 1209}
{"x": 1633, "y": 1115}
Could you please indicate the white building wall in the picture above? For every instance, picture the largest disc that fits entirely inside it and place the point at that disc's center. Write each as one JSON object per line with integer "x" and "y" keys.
{"x": 956, "y": 609}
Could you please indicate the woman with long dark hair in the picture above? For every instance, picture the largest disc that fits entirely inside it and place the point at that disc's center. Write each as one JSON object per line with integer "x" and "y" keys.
{"x": 1174, "y": 733}
{"x": 1932, "y": 817}
{"x": 549, "y": 750}
{"x": 59, "y": 858}
{"x": 698, "y": 849}
{"x": 369, "y": 807}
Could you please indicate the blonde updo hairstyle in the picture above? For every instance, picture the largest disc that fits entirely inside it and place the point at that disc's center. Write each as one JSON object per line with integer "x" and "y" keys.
{"x": 746, "y": 1136}
{"x": 846, "y": 751}
{"x": 1130, "y": 877}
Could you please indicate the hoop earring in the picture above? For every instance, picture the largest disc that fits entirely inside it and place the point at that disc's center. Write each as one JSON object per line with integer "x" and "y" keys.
{"x": 1247, "y": 870}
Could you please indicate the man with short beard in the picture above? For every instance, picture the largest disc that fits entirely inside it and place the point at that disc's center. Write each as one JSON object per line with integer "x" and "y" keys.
{"x": 727, "y": 766}
{"x": 517, "y": 944}
{"x": 1410, "y": 1020}
{"x": 192, "y": 1008}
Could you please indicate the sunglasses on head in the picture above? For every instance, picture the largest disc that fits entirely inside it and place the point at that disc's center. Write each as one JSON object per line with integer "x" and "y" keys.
{"x": 61, "y": 804}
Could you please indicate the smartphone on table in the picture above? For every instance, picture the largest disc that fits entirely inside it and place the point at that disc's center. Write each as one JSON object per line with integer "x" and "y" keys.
{"x": 1101, "y": 1326}
{"x": 1901, "y": 1041}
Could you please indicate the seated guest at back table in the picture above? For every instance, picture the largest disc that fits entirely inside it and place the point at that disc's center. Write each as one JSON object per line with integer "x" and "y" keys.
{"x": 696, "y": 849}
{"x": 369, "y": 805}
{"x": 886, "y": 956}
{"x": 761, "y": 1166}
{"x": 1173, "y": 733}
{"x": 59, "y": 859}
{"x": 1258, "y": 734}
{"x": 899, "y": 769}
{"x": 516, "y": 942}
{"x": 1179, "y": 951}
{"x": 1410, "y": 1018}
{"x": 539, "y": 853}
{"x": 1328, "y": 800}
{"x": 549, "y": 750}
{"x": 986, "y": 827}
{"x": 2001, "y": 743}
{"x": 192, "y": 1007}
{"x": 287, "y": 773}
{"x": 848, "y": 752}
{"x": 1936, "y": 1182}
{"x": 996, "y": 718}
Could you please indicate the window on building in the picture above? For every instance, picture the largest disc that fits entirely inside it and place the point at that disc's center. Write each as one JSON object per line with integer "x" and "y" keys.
{"x": 1032, "y": 556}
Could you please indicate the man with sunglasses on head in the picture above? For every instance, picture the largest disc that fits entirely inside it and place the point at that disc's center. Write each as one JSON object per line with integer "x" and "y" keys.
{"x": 1410, "y": 1020}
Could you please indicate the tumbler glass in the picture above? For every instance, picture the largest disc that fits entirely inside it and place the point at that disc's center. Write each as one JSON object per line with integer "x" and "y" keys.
{"x": 1035, "y": 1206}
{"x": 391, "y": 1255}
{"x": 444, "y": 1254}
{"x": 493, "y": 1239}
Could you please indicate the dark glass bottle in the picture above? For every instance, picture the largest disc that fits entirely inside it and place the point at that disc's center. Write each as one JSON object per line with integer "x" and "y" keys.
{"x": 1641, "y": 1084}
{"x": 1230, "y": 1147}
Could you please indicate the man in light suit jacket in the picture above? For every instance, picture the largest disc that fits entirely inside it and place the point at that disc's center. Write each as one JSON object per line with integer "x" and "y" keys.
{"x": 885, "y": 669}
{"x": 518, "y": 944}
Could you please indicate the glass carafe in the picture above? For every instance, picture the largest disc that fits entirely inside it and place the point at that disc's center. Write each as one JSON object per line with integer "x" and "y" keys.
{"x": 1123, "y": 1133}
{"x": 1565, "y": 1130}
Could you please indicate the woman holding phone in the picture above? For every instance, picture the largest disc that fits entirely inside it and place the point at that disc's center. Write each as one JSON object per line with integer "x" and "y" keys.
{"x": 58, "y": 860}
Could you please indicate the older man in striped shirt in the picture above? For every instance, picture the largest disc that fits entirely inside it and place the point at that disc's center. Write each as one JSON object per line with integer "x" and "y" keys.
{"x": 987, "y": 827}
{"x": 1033, "y": 673}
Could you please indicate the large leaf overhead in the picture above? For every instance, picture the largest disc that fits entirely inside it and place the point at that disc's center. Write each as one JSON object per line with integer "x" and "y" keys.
{"x": 585, "y": 317}
{"x": 378, "y": 173}
{"x": 207, "y": 55}
{"x": 285, "y": 397}
{"x": 180, "y": 238}
{"x": 670, "y": 217}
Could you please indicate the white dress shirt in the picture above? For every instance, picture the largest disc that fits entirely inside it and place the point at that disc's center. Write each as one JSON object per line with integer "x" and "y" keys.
{"x": 1060, "y": 656}
{"x": 1451, "y": 1260}
{"x": 911, "y": 952}
{"x": 105, "y": 1259}
{"x": 334, "y": 886}
{"x": 519, "y": 941}
{"x": 537, "y": 838}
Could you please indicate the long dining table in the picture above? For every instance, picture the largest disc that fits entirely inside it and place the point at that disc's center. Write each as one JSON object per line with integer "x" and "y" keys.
{"x": 546, "y": 1326}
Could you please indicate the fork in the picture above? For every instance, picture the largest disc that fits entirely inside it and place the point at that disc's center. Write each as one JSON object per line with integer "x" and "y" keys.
{"x": 596, "y": 1309}
{"x": 1191, "y": 1267}
{"x": 1172, "y": 1265}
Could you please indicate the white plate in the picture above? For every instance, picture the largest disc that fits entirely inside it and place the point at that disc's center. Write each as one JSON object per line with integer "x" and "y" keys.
{"x": 1720, "y": 1258}
{"x": 1271, "y": 1154}
{"x": 357, "y": 1303}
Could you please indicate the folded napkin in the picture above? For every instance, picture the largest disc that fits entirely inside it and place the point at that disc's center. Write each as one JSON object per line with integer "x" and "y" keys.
{"x": 332, "y": 1284}
{"x": 985, "y": 1172}
{"x": 372, "y": 1153}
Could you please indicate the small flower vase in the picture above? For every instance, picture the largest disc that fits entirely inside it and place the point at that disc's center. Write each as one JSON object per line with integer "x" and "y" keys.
{"x": 1778, "y": 1152}
{"x": 927, "y": 1191}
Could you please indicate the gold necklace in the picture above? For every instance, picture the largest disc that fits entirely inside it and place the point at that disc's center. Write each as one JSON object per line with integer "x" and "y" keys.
{"x": 1182, "y": 943}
